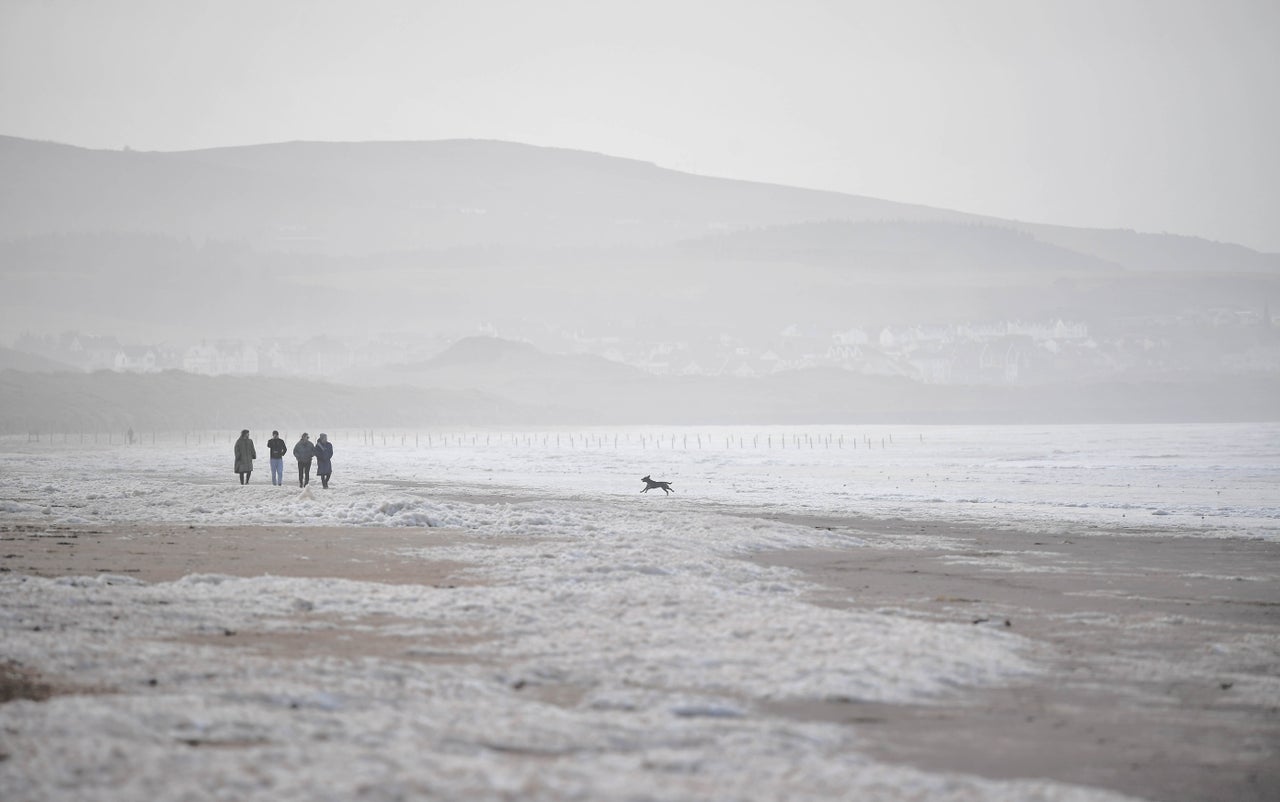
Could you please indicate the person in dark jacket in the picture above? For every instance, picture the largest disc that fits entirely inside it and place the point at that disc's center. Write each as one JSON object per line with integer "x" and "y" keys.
{"x": 245, "y": 455}
{"x": 278, "y": 449}
{"x": 324, "y": 453}
{"x": 304, "y": 452}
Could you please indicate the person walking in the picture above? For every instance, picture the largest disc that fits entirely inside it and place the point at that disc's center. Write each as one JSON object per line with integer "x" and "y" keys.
{"x": 303, "y": 452}
{"x": 245, "y": 455}
{"x": 278, "y": 449}
{"x": 324, "y": 453}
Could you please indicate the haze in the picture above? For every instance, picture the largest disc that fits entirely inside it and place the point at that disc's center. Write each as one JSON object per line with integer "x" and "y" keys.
{"x": 575, "y": 213}
{"x": 1151, "y": 115}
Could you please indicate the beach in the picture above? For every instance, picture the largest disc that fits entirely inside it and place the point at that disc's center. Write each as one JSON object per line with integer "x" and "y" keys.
{"x": 1145, "y": 640}
{"x": 1152, "y": 690}
{"x": 523, "y": 625}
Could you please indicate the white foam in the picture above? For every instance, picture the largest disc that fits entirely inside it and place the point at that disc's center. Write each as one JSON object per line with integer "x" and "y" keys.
{"x": 615, "y": 642}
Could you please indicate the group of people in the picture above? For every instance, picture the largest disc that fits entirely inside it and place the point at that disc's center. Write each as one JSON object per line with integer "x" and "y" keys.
{"x": 304, "y": 452}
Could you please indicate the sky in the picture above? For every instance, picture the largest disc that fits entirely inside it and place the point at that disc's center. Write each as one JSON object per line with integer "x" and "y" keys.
{"x": 1154, "y": 115}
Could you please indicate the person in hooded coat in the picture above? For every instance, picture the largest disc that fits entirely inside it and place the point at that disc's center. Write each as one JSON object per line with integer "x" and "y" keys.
{"x": 245, "y": 455}
{"x": 304, "y": 452}
{"x": 324, "y": 453}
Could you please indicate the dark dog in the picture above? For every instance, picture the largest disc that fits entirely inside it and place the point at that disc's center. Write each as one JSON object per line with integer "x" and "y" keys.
{"x": 649, "y": 484}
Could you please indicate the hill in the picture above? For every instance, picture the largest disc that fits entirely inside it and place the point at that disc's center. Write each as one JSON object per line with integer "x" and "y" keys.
{"x": 352, "y": 199}
{"x": 473, "y": 387}
{"x": 390, "y": 249}
{"x": 32, "y": 363}
{"x": 177, "y": 401}
{"x": 361, "y": 198}
{"x": 912, "y": 247}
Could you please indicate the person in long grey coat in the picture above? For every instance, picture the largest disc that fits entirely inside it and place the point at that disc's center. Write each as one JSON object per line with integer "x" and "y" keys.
{"x": 245, "y": 455}
{"x": 324, "y": 453}
{"x": 304, "y": 452}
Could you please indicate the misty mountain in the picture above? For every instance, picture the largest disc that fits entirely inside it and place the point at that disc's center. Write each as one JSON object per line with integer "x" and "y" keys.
{"x": 756, "y": 302}
{"x": 921, "y": 246}
{"x": 514, "y": 370}
{"x": 176, "y": 401}
{"x": 749, "y": 285}
{"x": 32, "y": 363}
{"x": 352, "y": 199}
{"x": 583, "y": 387}
{"x": 152, "y": 285}
{"x": 360, "y": 198}
{"x": 1138, "y": 251}
{"x": 593, "y": 390}
{"x": 579, "y": 395}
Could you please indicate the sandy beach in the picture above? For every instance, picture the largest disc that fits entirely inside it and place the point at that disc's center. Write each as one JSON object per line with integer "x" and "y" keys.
{"x": 1149, "y": 691}
{"x": 1135, "y": 702}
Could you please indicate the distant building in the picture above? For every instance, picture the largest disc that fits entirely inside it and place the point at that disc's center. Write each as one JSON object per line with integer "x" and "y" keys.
{"x": 227, "y": 357}
{"x": 850, "y": 337}
{"x": 136, "y": 359}
{"x": 933, "y": 369}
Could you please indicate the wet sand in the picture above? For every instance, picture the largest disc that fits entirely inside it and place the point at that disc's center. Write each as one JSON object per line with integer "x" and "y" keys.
{"x": 165, "y": 552}
{"x": 161, "y": 552}
{"x": 1164, "y": 655}
{"x": 1163, "y": 652}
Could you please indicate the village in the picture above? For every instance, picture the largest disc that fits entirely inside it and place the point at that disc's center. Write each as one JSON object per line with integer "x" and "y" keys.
{"x": 983, "y": 352}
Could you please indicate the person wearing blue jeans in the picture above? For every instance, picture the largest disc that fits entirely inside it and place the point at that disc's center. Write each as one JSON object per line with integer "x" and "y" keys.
{"x": 278, "y": 450}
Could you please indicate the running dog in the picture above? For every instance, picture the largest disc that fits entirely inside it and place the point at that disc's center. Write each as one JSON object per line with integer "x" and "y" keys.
{"x": 649, "y": 484}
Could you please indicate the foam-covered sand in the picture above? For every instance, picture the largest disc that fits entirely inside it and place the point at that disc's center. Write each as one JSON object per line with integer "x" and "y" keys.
{"x": 526, "y": 625}
{"x": 199, "y": 650}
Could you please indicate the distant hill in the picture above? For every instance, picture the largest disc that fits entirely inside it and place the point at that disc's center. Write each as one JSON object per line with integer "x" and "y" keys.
{"x": 173, "y": 402}
{"x": 353, "y": 199}
{"x": 33, "y": 363}
{"x": 492, "y": 363}
{"x": 360, "y": 198}
{"x": 176, "y": 401}
{"x": 922, "y": 246}
{"x": 411, "y": 243}
{"x": 590, "y": 390}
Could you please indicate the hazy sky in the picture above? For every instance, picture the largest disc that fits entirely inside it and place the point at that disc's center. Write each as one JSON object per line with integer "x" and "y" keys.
{"x": 1158, "y": 115}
